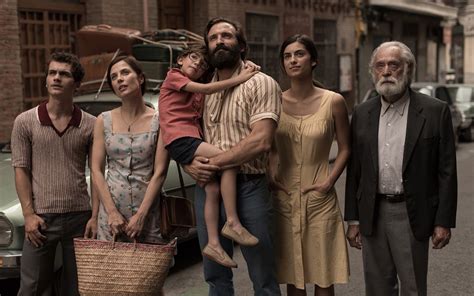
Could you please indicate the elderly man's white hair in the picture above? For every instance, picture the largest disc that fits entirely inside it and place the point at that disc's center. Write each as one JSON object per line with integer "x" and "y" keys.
{"x": 406, "y": 54}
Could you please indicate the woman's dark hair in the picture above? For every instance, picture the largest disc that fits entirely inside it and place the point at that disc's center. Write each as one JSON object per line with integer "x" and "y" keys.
{"x": 309, "y": 46}
{"x": 239, "y": 34}
{"x": 307, "y": 43}
{"x": 132, "y": 62}
{"x": 202, "y": 50}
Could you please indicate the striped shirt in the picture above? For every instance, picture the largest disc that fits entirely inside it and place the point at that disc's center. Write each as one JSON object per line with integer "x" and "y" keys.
{"x": 229, "y": 115}
{"x": 55, "y": 159}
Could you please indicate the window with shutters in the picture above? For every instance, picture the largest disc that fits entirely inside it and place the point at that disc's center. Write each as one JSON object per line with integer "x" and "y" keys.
{"x": 43, "y": 30}
{"x": 325, "y": 38}
{"x": 262, "y": 33}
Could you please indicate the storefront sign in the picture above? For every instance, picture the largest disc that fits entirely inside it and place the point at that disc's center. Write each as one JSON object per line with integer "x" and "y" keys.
{"x": 296, "y": 23}
{"x": 334, "y": 7}
{"x": 322, "y": 6}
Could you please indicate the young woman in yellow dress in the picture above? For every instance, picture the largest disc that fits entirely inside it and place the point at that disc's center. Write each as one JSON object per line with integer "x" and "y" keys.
{"x": 310, "y": 242}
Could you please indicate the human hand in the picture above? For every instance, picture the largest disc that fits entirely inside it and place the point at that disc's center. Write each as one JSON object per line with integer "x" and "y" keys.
{"x": 135, "y": 225}
{"x": 33, "y": 226}
{"x": 322, "y": 187}
{"x": 116, "y": 222}
{"x": 200, "y": 169}
{"x": 353, "y": 236}
{"x": 441, "y": 236}
{"x": 274, "y": 182}
{"x": 91, "y": 228}
{"x": 250, "y": 64}
{"x": 246, "y": 74}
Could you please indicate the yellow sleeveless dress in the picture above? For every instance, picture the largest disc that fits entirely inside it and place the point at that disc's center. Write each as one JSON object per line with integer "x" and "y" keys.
{"x": 310, "y": 241}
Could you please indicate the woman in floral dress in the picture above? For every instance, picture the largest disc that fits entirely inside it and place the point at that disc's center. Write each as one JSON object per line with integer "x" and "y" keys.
{"x": 127, "y": 140}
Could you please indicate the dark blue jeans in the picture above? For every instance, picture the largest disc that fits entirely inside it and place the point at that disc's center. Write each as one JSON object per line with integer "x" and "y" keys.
{"x": 255, "y": 210}
{"x": 37, "y": 264}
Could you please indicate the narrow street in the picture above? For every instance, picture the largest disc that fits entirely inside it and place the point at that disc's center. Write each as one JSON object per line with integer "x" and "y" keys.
{"x": 451, "y": 270}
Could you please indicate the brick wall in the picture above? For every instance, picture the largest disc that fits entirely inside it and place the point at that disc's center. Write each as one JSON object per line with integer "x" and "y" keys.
{"x": 121, "y": 13}
{"x": 11, "y": 100}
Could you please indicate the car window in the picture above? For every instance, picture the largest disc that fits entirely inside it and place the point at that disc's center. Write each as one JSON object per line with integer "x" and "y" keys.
{"x": 96, "y": 108}
{"x": 464, "y": 94}
{"x": 442, "y": 94}
{"x": 423, "y": 90}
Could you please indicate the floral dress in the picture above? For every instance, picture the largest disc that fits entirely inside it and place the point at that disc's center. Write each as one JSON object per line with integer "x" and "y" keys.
{"x": 130, "y": 162}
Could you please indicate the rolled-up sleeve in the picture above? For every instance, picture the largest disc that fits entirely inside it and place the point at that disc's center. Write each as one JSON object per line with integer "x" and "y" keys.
{"x": 265, "y": 94}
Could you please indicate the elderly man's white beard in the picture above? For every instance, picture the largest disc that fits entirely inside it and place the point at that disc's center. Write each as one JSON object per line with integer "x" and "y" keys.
{"x": 390, "y": 86}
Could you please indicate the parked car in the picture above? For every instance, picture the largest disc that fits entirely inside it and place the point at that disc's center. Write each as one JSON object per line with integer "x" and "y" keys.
{"x": 435, "y": 90}
{"x": 11, "y": 217}
{"x": 440, "y": 91}
{"x": 463, "y": 96}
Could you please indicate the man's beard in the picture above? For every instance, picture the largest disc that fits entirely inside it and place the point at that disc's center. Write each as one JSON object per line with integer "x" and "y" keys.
{"x": 224, "y": 57}
{"x": 396, "y": 88}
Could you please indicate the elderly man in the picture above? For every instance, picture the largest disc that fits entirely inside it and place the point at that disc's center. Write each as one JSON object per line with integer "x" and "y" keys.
{"x": 240, "y": 121}
{"x": 50, "y": 147}
{"x": 401, "y": 184}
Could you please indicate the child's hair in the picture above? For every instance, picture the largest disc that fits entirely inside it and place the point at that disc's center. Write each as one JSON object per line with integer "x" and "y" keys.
{"x": 202, "y": 50}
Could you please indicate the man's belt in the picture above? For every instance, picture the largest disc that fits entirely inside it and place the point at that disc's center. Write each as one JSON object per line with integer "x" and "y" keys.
{"x": 249, "y": 177}
{"x": 392, "y": 197}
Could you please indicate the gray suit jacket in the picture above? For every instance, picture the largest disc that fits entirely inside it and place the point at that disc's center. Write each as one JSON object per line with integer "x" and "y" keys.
{"x": 429, "y": 166}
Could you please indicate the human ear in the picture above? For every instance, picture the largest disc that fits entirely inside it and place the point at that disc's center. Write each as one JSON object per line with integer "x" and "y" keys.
{"x": 180, "y": 61}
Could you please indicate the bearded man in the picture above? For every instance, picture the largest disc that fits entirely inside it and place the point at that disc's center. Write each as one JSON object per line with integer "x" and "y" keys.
{"x": 240, "y": 121}
{"x": 401, "y": 184}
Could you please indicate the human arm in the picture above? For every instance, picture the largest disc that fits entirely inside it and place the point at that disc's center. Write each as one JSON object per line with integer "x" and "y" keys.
{"x": 353, "y": 236}
{"x": 272, "y": 172}
{"x": 445, "y": 217}
{"x": 160, "y": 169}
{"x": 341, "y": 121}
{"x": 21, "y": 162}
{"x": 115, "y": 220}
{"x": 257, "y": 142}
{"x": 351, "y": 210}
{"x": 91, "y": 226}
{"x": 33, "y": 223}
{"x": 200, "y": 169}
{"x": 217, "y": 86}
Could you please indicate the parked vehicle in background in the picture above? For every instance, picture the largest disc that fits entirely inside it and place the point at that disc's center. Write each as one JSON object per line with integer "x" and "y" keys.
{"x": 440, "y": 91}
{"x": 437, "y": 90}
{"x": 463, "y": 96}
{"x": 11, "y": 218}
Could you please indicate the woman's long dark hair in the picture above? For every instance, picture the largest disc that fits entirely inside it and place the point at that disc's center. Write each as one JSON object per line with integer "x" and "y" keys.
{"x": 309, "y": 46}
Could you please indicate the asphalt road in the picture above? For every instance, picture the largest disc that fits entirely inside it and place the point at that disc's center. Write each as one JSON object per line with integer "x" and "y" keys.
{"x": 451, "y": 270}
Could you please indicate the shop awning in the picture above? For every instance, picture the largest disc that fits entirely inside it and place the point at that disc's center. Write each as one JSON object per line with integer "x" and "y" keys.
{"x": 418, "y": 7}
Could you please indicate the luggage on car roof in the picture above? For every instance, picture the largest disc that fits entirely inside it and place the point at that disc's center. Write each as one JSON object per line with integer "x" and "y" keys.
{"x": 95, "y": 67}
{"x": 97, "y": 39}
{"x": 155, "y": 53}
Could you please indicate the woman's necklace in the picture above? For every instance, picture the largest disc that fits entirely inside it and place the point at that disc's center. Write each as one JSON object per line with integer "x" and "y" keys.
{"x": 131, "y": 123}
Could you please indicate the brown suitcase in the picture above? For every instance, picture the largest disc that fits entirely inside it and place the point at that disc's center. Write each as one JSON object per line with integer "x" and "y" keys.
{"x": 97, "y": 39}
{"x": 95, "y": 67}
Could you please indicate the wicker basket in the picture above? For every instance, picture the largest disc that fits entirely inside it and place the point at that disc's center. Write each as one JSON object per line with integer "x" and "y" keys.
{"x": 119, "y": 268}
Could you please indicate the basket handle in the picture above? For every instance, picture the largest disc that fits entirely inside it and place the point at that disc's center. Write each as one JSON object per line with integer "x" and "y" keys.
{"x": 114, "y": 239}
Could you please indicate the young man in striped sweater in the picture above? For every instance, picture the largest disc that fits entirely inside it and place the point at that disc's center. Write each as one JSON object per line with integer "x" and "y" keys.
{"x": 50, "y": 146}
